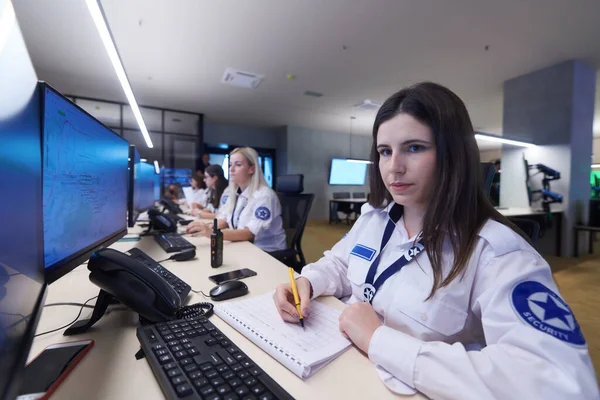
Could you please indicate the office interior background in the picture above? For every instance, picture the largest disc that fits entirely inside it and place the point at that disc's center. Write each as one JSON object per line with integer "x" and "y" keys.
{"x": 301, "y": 82}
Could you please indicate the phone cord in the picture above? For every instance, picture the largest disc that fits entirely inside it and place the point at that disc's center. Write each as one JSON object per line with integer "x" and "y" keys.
{"x": 191, "y": 311}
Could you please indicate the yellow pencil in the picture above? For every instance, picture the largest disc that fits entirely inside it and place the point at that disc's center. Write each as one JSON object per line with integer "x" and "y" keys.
{"x": 296, "y": 297}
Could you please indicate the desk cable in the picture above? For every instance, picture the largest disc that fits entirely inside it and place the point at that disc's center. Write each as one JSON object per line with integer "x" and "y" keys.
{"x": 72, "y": 322}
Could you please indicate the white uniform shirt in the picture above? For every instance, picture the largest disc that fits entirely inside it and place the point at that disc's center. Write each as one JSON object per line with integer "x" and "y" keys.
{"x": 200, "y": 196}
{"x": 500, "y": 332}
{"x": 261, "y": 215}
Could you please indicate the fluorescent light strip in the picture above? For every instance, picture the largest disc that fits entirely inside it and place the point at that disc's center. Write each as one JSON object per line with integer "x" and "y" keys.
{"x": 358, "y": 161}
{"x": 156, "y": 167}
{"x": 7, "y": 23}
{"x": 595, "y": 165}
{"x": 104, "y": 32}
{"x": 499, "y": 139}
{"x": 143, "y": 159}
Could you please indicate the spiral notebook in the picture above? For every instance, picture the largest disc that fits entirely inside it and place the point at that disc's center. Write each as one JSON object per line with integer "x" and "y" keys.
{"x": 302, "y": 351}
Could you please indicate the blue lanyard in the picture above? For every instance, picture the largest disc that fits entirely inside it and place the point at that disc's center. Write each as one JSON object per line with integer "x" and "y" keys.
{"x": 237, "y": 220}
{"x": 371, "y": 286}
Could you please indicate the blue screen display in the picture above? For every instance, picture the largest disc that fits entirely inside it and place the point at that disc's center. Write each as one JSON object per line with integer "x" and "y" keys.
{"x": 145, "y": 186}
{"x": 345, "y": 172}
{"x": 84, "y": 181}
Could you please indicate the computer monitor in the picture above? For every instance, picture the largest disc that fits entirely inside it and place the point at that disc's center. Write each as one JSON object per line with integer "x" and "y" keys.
{"x": 140, "y": 193}
{"x": 348, "y": 172}
{"x": 22, "y": 287}
{"x": 84, "y": 184}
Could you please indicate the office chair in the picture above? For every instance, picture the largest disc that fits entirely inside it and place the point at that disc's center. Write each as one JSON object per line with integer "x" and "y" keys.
{"x": 487, "y": 171}
{"x": 295, "y": 207}
{"x": 530, "y": 227}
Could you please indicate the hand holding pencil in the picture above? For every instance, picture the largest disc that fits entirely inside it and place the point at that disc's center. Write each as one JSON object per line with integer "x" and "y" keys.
{"x": 293, "y": 305}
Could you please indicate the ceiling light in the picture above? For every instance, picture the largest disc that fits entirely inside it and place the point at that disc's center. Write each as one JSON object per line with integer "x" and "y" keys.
{"x": 7, "y": 22}
{"x": 156, "y": 167}
{"x": 595, "y": 165}
{"x": 143, "y": 159}
{"x": 499, "y": 139}
{"x": 99, "y": 20}
{"x": 352, "y": 160}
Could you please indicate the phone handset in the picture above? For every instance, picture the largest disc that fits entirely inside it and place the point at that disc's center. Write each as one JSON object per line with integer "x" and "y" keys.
{"x": 162, "y": 222}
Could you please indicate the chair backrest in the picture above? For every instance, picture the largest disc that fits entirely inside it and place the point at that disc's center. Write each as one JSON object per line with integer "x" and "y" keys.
{"x": 290, "y": 183}
{"x": 294, "y": 214}
{"x": 487, "y": 171}
{"x": 359, "y": 195}
{"x": 530, "y": 227}
{"x": 341, "y": 195}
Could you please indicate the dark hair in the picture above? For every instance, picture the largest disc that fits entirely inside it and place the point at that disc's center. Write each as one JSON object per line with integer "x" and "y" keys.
{"x": 216, "y": 193}
{"x": 458, "y": 206}
{"x": 199, "y": 178}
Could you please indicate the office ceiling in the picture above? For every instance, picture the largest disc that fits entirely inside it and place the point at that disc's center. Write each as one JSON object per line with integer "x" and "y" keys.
{"x": 175, "y": 53}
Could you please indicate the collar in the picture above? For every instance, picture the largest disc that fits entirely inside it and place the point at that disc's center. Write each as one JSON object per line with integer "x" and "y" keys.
{"x": 243, "y": 193}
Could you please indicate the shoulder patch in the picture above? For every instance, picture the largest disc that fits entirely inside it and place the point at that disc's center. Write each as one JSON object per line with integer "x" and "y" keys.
{"x": 224, "y": 198}
{"x": 545, "y": 311}
{"x": 364, "y": 252}
{"x": 262, "y": 213}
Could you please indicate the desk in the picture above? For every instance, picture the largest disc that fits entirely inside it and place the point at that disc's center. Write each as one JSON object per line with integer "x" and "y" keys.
{"x": 110, "y": 370}
{"x": 537, "y": 215}
{"x": 333, "y": 203}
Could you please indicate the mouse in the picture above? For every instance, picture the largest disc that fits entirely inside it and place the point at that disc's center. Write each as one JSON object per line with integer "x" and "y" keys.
{"x": 228, "y": 290}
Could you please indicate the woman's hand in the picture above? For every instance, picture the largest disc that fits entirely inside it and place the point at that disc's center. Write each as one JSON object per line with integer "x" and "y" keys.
{"x": 359, "y": 322}
{"x": 199, "y": 228}
{"x": 284, "y": 300}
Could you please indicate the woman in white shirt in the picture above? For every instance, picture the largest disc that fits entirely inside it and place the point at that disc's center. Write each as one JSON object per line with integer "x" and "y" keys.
{"x": 199, "y": 192}
{"x": 252, "y": 211}
{"x": 216, "y": 183}
{"x": 477, "y": 314}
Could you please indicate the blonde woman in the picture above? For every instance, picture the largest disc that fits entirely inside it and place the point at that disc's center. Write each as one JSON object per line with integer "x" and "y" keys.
{"x": 252, "y": 211}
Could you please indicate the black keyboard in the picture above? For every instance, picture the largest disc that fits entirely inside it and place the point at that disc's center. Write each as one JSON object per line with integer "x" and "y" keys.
{"x": 192, "y": 359}
{"x": 172, "y": 242}
{"x": 182, "y": 288}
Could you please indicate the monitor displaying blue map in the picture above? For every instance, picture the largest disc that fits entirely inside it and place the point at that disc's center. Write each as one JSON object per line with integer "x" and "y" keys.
{"x": 84, "y": 181}
{"x": 344, "y": 172}
{"x": 145, "y": 186}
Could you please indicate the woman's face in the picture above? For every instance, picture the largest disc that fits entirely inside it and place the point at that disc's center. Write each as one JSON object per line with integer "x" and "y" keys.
{"x": 240, "y": 171}
{"x": 210, "y": 181}
{"x": 195, "y": 183}
{"x": 407, "y": 160}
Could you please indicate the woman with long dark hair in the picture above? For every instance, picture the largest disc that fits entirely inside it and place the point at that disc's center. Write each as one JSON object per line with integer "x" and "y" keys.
{"x": 216, "y": 183}
{"x": 445, "y": 295}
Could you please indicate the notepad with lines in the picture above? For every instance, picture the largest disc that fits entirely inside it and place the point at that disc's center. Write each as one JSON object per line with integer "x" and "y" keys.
{"x": 303, "y": 352}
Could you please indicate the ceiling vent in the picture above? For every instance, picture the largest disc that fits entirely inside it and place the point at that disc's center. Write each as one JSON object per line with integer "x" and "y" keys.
{"x": 241, "y": 78}
{"x": 310, "y": 93}
{"x": 367, "y": 105}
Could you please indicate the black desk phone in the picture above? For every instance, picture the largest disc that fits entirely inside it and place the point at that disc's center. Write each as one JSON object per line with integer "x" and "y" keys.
{"x": 143, "y": 285}
{"x": 161, "y": 221}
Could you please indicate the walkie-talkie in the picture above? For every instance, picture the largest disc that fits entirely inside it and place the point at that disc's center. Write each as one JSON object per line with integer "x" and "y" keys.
{"x": 216, "y": 247}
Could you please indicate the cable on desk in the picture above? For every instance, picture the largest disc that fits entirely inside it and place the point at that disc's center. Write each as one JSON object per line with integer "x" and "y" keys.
{"x": 69, "y": 304}
{"x": 200, "y": 292}
{"x": 70, "y": 323}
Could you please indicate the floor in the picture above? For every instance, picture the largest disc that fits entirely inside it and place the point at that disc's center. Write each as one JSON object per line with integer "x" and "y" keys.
{"x": 577, "y": 278}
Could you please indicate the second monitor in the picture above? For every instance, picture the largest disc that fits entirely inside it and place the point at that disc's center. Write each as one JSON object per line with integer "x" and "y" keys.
{"x": 140, "y": 195}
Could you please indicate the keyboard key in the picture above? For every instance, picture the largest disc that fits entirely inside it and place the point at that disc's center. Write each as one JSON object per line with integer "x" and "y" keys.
{"x": 211, "y": 342}
{"x": 258, "y": 389}
{"x": 216, "y": 360}
{"x": 161, "y": 352}
{"x": 184, "y": 324}
{"x": 201, "y": 382}
{"x": 177, "y": 330}
{"x": 172, "y": 373}
{"x": 192, "y": 334}
{"x": 158, "y": 347}
{"x": 211, "y": 374}
{"x": 223, "y": 389}
{"x": 236, "y": 367}
{"x": 247, "y": 363}
{"x": 228, "y": 375}
{"x": 186, "y": 341}
{"x": 206, "y": 390}
{"x": 242, "y": 390}
{"x": 222, "y": 368}
{"x": 183, "y": 390}
{"x": 217, "y": 382}
{"x": 165, "y": 359}
{"x": 177, "y": 380}
{"x": 193, "y": 351}
{"x": 190, "y": 367}
{"x": 251, "y": 381}
{"x": 230, "y": 396}
{"x": 151, "y": 336}
{"x": 173, "y": 343}
{"x": 169, "y": 366}
{"x": 249, "y": 397}
{"x": 187, "y": 329}
{"x": 225, "y": 343}
{"x": 185, "y": 361}
{"x": 239, "y": 357}
{"x": 177, "y": 348}
{"x": 243, "y": 374}
{"x": 188, "y": 346}
{"x": 193, "y": 375}
{"x": 213, "y": 397}
{"x": 266, "y": 396}
{"x": 166, "y": 338}
{"x": 180, "y": 335}
{"x": 235, "y": 382}
{"x": 205, "y": 367}
{"x": 232, "y": 350}
{"x": 181, "y": 354}
{"x": 255, "y": 371}
{"x": 229, "y": 360}
{"x": 219, "y": 337}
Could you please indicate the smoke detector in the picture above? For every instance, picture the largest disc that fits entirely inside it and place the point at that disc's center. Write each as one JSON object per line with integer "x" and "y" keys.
{"x": 243, "y": 79}
{"x": 367, "y": 105}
